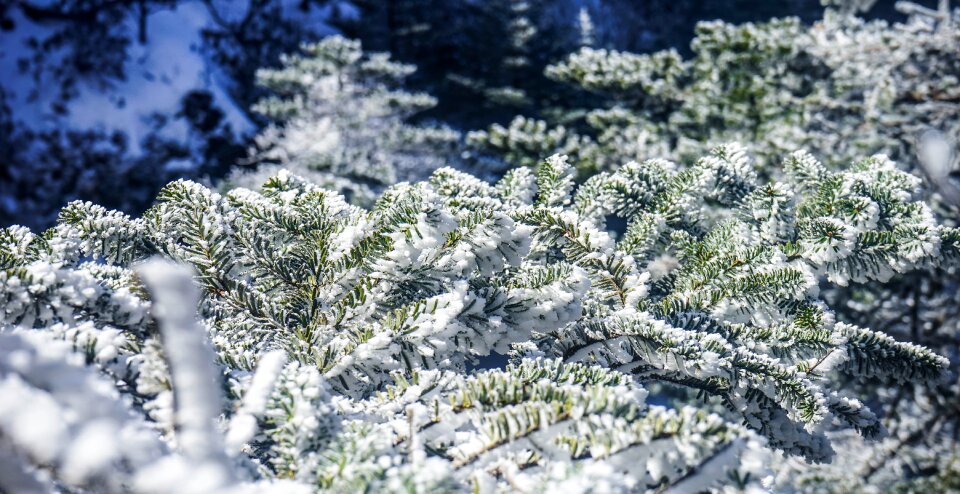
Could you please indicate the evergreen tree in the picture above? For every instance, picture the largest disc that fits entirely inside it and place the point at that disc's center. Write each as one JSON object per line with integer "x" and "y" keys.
{"x": 340, "y": 120}
{"x": 843, "y": 88}
{"x": 899, "y": 78}
{"x": 343, "y": 341}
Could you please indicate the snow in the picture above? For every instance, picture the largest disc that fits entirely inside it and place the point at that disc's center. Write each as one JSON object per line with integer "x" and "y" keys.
{"x": 31, "y": 417}
{"x": 14, "y": 477}
{"x": 162, "y": 71}
{"x": 158, "y": 74}
{"x": 93, "y": 450}
{"x": 198, "y": 394}
{"x": 243, "y": 426}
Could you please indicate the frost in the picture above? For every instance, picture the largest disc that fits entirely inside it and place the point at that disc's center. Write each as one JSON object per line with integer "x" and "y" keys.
{"x": 287, "y": 334}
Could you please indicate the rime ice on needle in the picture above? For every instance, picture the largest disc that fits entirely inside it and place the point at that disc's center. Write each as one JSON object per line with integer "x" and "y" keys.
{"x": 330, "y": 348}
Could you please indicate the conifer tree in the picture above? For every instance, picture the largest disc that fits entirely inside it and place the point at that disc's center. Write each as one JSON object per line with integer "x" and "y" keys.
{"x": 344, "y": 341}
{"x": 842, "y": 88}
{"x": 899, "y": 78}
{"x": 340, "y": 119}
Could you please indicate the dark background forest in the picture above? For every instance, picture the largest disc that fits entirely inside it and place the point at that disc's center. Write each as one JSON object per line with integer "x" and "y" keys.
{"x": 107, "y": 100}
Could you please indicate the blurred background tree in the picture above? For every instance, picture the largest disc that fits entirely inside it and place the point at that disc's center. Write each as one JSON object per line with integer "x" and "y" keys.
{"x": 107, "y": 100}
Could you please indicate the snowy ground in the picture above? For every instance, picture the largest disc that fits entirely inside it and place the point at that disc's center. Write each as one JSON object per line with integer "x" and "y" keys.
{"x": 158, "y": 74}
{"x": 171, "y": 63}
{"x": 140, "y": 96}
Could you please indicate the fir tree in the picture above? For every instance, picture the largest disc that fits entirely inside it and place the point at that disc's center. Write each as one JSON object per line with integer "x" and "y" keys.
{"x": 340, "y": 120}
{"x": 343, "y": 341}
{"x": 842, "y": 88}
